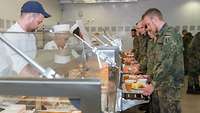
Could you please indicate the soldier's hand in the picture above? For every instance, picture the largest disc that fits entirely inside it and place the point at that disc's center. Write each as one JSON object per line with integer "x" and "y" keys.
{"x": 148, "y": 90}
{"x": 151, "y": 34}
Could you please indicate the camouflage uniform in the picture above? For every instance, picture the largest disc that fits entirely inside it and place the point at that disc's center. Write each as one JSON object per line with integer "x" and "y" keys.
{"x": 140, "y": 50}
{"x": 186, "y": 41}
{"x": 142, "y": 57}
{"x": 165, "y": 64}
{"x": 136, "y": 47}
{"x": 194, "y": 64}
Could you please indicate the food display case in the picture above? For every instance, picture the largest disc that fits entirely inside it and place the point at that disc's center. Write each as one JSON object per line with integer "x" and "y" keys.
{"x": 132, "y": 80}
{"x": 80, "y": 78}
{"x": 50, "y": 96}
{"x": 86, "y": 83}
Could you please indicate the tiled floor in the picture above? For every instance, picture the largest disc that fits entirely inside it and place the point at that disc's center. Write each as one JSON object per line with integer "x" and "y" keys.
{"x": 190, "y": 103}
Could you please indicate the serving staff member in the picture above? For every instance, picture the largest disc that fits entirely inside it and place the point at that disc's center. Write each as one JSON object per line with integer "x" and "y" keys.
{"x": 60, "y": 37}
{"x": 59, "y": 42}
{"x": 32, "y": 16}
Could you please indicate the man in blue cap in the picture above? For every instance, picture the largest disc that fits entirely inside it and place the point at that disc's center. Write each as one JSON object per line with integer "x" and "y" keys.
{"x": 32, "y": 16}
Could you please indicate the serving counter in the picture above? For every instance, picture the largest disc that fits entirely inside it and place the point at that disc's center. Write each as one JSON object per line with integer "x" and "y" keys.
{"x": 86, "y": 85}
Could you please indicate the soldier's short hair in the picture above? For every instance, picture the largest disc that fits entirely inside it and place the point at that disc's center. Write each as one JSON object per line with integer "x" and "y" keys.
{"x": 133, "y": 30}
{"x": 153, "y": 12}
{"x": 184, "y": 31}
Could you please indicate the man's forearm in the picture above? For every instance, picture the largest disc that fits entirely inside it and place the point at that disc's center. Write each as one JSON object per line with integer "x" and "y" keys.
{"x": 29, "y": 71}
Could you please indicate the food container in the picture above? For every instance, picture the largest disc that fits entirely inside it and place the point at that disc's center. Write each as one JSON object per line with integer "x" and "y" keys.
{"x": 128, "y": 84}
{"x": 61, "y": 59}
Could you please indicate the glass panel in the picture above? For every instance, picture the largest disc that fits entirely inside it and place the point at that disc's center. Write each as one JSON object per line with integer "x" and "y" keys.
{"x": 82, "y": 94}
{"x": 28, "y": 104}
{"x": 69, "y": 62}
{"x": 75, "y": 61}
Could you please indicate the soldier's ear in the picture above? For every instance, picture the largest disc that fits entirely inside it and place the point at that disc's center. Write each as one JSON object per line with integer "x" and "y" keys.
{"x": 156, "y": 19}
{"x": 153, "y": 19}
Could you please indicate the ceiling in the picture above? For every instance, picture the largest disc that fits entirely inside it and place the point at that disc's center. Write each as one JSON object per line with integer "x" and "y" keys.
{"x": 95, "y": 1}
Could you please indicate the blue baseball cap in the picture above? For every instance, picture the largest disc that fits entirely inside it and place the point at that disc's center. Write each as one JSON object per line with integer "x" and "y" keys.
{"x": 34, "y": 7}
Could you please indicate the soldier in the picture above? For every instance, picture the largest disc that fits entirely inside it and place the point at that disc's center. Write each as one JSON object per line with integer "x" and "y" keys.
{"x": 165, "y": 64}
{"x": 133, "y": 33}
{"x": 187, "y": 37}
{"x": 142, "y": 41}
{"x": 142, "y": 46}
{"x": 194, "y": 65}
{"x": 184, "y": 32}
{"x": 135, "y": 42}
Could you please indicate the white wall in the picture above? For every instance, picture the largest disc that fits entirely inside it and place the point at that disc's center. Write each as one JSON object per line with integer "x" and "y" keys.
{"x": 176, "y": 12}
{"x": 53, "y": 7}
{"x": 10, "y": 11}
{"x": 124, "y": 15}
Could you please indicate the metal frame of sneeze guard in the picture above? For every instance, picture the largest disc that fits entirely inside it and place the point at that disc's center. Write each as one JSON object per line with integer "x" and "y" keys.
{"x": 79, "y": 28}
{"x": 99, "y": 54}
{"x": 110, "y": 55}
{"x": 88, "y": 91}
{"x": 113, "y": 53}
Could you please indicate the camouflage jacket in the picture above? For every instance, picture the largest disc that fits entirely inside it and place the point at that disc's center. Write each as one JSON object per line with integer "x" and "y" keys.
{"x": 136, "y": 47}
{"x": 194, "y": 56}
{"x": 142, "y": 56}
{"x": 165, "y": 58}
{"x": 186, "y": 42}
{"x": 140, "y": 50}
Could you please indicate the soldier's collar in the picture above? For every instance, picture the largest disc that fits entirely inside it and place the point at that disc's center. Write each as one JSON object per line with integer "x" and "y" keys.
{"x": 159, "y": 33}
{"x": 162, "y": 29}
{"x": 154, "y": 39}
